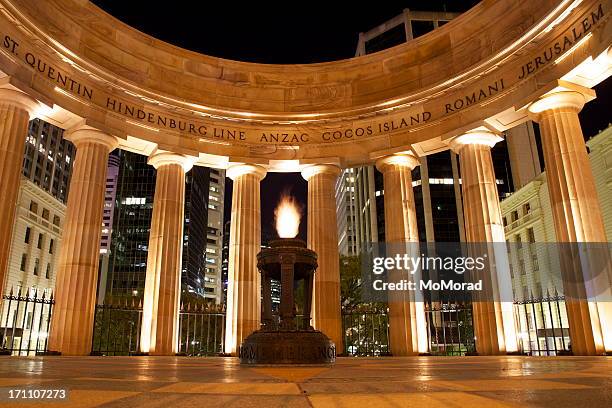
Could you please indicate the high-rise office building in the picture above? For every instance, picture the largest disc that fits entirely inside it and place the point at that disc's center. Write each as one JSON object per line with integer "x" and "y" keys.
{"x": 436, "y": 182}
{"x": 131, "y": 225}
{"x": 47, "y": 159}
{"x": 46, "y": 171}
{"x": 213, "y": 287}
{"x": 110, "y": 194}
{"x": 37, "y": 231}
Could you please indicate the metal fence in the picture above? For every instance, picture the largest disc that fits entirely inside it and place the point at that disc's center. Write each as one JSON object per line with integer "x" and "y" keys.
{"x": 366, "y": 332}
{"x": 117, "y": 329}
{"x": 25, "y": 320}
{"x": 201, "y": 330}
{"x": 450, "y": 328}
{"x": 543, "y": 329}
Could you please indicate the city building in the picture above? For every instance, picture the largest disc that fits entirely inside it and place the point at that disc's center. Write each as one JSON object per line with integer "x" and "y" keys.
{"x": 534, "y": 256}
{"x": 110, "y": 195}
{"x": 133, "y": 206}
{"x": 43, "y": 189}
{"x": 37, "y": 231}
{"x": 213, "y": 282}
{"x": 436, "y": 182}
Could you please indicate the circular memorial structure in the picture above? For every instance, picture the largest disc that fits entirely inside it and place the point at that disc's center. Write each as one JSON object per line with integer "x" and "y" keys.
{"x": 459, "y": 87}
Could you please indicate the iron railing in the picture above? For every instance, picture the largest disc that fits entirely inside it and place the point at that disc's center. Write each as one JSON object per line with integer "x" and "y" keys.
{"x": 542, "y": 324}
{"x": 450, "y": 328}
{"x": 201, "y": 330}
{"x": 117, "y": 329}
{"x": 25, "y": 320}
{"x": 366, "y": 331}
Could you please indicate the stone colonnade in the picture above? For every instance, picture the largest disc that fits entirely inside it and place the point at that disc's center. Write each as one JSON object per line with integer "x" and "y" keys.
{"x": 576, "y": 215}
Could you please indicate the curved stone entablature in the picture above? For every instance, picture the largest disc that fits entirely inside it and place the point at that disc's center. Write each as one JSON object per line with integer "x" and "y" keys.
{"x": 480, "y": 69}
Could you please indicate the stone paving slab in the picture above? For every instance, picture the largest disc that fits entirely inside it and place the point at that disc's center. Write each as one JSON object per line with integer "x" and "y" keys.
{"x": 506, "y": 381}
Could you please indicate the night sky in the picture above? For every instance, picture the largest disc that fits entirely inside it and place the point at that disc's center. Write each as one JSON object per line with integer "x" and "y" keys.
{"x": 296, "y": 32}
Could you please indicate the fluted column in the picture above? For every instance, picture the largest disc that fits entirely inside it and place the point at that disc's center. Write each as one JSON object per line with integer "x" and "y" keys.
{"x": 16, "y": 109}
{"x": 323, "y": 239}
{"x": 492, "y": 309}
{"x": 162, "y": 292}
{"x": 244, "y": 281}
{"x": 577, "y": 218}
{"x": 77, "y": 272}
{"x": 407, "y": 327}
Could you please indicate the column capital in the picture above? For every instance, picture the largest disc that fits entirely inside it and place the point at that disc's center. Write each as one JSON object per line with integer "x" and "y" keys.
{"x": 237, "y": 170}
{"x": 315, "y": 169}
{"x": 21, "y": 99}
{"x": 572, "y": 100}
{"x": 480, "y": 136}
{"x": 161, "y": 158}
{"x": 86, "y": 134}
{"x": 400, "y": 159}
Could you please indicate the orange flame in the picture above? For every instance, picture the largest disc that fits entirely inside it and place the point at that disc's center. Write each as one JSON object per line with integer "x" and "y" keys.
{"x": 287, "y": 215}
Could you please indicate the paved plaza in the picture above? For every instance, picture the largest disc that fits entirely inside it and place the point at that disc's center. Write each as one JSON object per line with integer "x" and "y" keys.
{"x": 352, "y": 382}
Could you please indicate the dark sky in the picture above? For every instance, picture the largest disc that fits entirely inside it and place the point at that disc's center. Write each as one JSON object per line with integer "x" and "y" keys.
{"x": 266, "y": 32}
{"x": 295, "y": 32}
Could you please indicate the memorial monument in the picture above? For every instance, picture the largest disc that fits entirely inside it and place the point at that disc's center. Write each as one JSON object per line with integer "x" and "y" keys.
{"x": 288, "y": 339}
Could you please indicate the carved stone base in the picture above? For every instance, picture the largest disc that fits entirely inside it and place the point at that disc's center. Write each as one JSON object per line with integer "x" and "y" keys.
{"x": 287, "y": 347}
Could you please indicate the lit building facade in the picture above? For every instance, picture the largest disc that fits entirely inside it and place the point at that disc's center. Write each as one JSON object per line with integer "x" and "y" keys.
{"x": 213, "y": 283}
{"x": 133, "y": 202}
{"x": 529, "y": 226}
{"x": 37, "y": 232}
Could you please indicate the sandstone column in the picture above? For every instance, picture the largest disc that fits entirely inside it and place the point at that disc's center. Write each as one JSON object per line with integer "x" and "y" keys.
{"x": 323, "y": 239}
{"x": 407, "y": 327}
{"x": 16, "y": 108}
{"x": 162, "y": 292}
{"x": 77, "y": 272}
{"x": 244, "y": 282}
{"x": 493, "y": 313}
{"x": 577, "y": 217}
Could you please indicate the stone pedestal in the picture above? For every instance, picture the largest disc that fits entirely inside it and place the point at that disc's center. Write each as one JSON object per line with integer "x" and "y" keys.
{"x": 323, "y": 239}
{"x": 576, "y": 214}
{"x": 162, "y": 292}
{"x": 77, "y": 272}
{"x": 493, "y": 314}
{"x": 244, "y": 282}
{"x": 15, "y": 111}
{"x": 407, "y": 327}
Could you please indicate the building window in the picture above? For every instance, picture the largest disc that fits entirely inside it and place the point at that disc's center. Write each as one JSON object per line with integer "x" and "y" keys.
{"x": 514, "y": 216}
{"x": 51, "y": 246}
{"x": 530, "y": 235}
{"x": 45, "y": 214}
{"x": 56, "y": 220}
{"x": 27, "y": 235}
{"x": 534, "y": 263}
{"x": 48, "y": 271}
{"x": 34, "y": 207}
{"x": 40, "y": 241}
{"x": 24, "y": 260}
{"x": 519, "y": 243}
{"x": 526, "y": 208}
{"x": 36, "y": 262}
